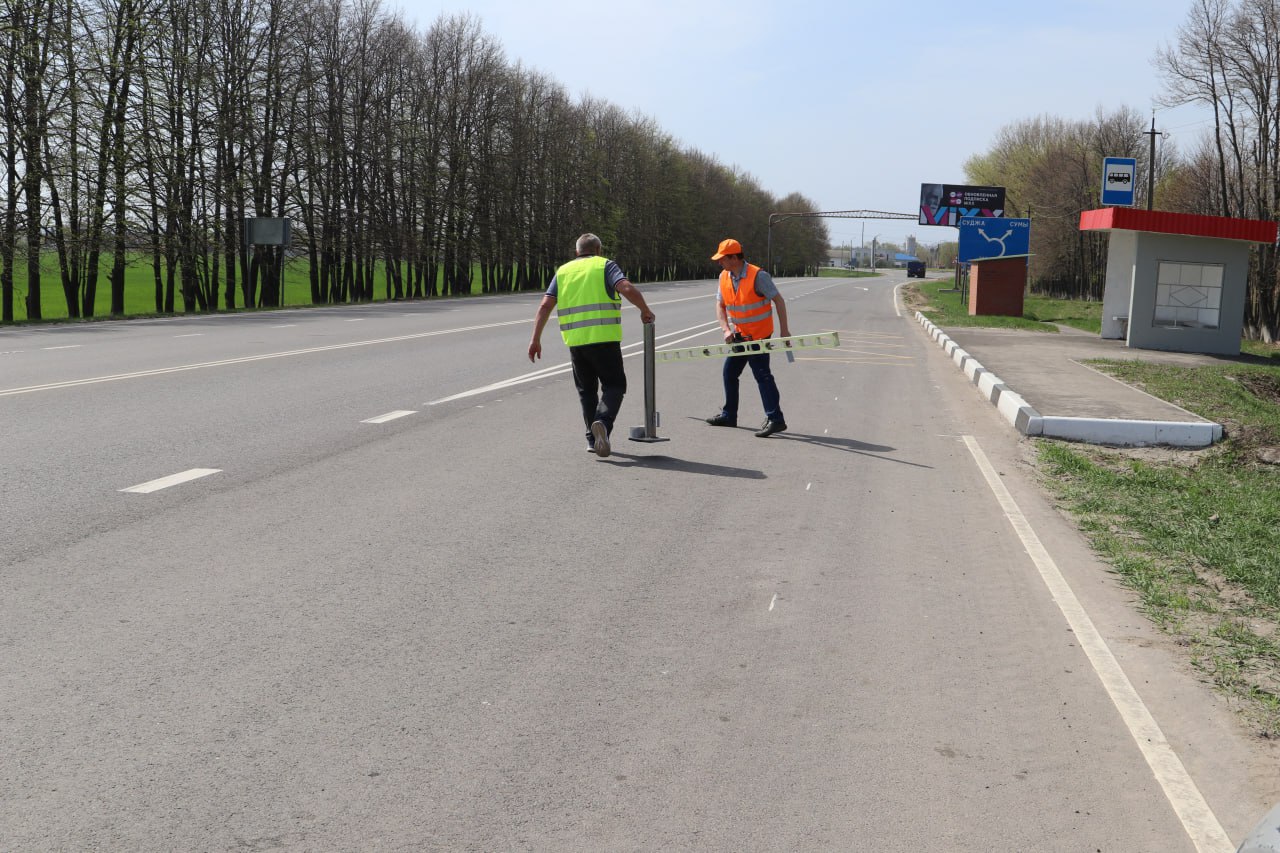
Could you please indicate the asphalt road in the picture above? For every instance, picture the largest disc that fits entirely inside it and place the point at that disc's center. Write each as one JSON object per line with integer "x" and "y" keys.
{"x": 453, "y": 629}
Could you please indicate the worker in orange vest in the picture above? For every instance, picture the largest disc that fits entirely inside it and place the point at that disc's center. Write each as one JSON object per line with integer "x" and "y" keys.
{"x": 745, "y": 305}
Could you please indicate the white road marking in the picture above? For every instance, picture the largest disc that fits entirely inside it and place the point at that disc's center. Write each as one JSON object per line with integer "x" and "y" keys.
{"x": 559, "y": 369}
{"x": 172, "y": 480}
{"x": 773, "y": 602}
{"x": 72, "y": 383}
{"x": 191, "y": 335}
{"x": 68, "y": 346}
{"x": 1197, "y": 818}
{"x": 389, "y": 416}
{"x": 285, "y": 326}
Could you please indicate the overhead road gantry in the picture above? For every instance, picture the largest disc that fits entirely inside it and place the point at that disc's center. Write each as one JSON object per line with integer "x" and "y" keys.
{"x": 833, "y": 214}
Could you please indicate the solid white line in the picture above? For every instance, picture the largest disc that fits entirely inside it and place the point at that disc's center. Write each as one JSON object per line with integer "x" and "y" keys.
{"x": 1197, "y": 818}
{"x": 560, "y": 369}
{"x": 171, "y": 480}
{"x": 389, "y": 416}
{"x": 72, "y": 383}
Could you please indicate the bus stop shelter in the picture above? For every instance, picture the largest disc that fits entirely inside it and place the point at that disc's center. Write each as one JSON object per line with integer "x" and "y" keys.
{"x": 1176, "y": 281}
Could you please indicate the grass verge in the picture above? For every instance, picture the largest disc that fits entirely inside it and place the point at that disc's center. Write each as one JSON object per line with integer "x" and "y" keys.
{"x": 942, "y": 304}
{"x": 838, "y": 272}
{"x": 1196, "y": 534}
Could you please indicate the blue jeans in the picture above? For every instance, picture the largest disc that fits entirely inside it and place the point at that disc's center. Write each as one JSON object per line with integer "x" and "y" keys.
{"x": 769, "y": 396}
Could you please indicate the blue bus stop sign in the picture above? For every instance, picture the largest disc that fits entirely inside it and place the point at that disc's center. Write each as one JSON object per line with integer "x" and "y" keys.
{"x": 986, "y": 237}
{"x": 1119, "y": 180}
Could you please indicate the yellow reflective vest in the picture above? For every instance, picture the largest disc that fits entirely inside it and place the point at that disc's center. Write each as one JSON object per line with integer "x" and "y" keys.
{"x": 587, "y": 315}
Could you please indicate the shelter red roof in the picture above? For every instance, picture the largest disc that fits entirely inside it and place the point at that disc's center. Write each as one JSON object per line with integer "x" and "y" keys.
{"x": 1189, "y": 224}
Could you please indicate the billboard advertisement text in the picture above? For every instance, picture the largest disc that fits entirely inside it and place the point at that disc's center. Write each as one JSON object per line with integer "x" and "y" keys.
{"x": 945, "y": 204}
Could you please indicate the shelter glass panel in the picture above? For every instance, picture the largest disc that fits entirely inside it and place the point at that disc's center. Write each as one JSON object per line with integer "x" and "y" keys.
{"x": 1188, "y": 295}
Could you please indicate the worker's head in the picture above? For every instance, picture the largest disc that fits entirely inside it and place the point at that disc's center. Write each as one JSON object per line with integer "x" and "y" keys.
{"x": 588, "y": 244}
{"x": 729, "y": 255}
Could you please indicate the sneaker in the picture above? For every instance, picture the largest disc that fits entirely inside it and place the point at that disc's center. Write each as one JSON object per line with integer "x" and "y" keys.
{"x": 723, "y": 420}
{"x": 601, "y": 435}
{"x": 769, "y": 427}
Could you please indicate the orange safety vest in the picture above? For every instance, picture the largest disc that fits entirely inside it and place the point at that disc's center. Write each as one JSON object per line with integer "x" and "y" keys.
{"x": 747, "y": 310}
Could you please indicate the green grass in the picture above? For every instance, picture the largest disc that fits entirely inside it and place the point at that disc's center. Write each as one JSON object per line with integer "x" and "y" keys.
{"x": 938, "y": 301}
{"x": 839, "y": 272}
{"x": 139, "y": 288}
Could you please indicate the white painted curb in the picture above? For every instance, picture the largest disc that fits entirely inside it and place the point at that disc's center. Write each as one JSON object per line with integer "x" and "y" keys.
{"x": 1025, "y": 419}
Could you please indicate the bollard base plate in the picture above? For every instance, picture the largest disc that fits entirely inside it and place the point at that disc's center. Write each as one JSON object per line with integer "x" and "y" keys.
{"x": 638, "y": 434}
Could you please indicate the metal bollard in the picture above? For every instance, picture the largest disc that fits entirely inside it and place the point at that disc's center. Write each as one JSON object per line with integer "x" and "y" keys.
{"x": 648, "y": 432}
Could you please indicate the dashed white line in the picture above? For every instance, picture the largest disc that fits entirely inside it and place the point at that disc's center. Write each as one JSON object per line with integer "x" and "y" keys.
{"x": 68, "y": 346}
{"x": 389, "y": 416}
{"x": 172, "y": 480}
{"x": 1197, "y": 818}
{"x": 191, "y": 335}
{"x": 773, "y": 602}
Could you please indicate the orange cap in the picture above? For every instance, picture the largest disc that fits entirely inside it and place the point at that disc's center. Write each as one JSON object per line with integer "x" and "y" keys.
{"x": 727, "y": 247}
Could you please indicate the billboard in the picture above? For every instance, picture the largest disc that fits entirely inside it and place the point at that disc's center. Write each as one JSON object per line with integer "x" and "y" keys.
{"x": 945, "y": 204}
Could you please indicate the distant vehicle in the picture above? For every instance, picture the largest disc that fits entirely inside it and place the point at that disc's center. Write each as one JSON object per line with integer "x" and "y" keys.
{"x": 1119, "y": 178}
{"x": 915, "y": 269}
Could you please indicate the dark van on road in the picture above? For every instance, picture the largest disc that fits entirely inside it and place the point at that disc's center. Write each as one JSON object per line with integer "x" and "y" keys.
{"x": 915, "y": 268}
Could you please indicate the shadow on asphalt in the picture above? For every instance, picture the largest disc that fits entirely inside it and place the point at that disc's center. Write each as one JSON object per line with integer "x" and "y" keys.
{"x": 848, "y": 445}
{"x": 670, "y": 463}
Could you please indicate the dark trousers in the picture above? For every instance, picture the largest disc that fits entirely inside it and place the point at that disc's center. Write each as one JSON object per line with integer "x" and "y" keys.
{"x": 769, "y": 396}
{"x": 598, "y": 373}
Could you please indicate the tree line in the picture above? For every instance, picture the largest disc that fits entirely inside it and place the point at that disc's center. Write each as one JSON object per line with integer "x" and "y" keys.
{"x": 1226, "y": 56}
{"x": 147, "y": 132}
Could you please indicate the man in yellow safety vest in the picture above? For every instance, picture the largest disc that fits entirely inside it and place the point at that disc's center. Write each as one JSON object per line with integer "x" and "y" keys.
{"x": 586, "y": 293}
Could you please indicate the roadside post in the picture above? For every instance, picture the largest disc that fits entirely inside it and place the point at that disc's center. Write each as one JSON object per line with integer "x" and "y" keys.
{"x": 648, "y": 432}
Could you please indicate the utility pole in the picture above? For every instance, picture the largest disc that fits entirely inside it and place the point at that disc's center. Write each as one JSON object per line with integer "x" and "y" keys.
{"x": 1151, "y": 163}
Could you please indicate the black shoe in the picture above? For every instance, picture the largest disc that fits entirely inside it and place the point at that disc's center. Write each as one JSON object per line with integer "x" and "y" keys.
{"x": 723, "y": 420}
{"x": 768, "y": 428}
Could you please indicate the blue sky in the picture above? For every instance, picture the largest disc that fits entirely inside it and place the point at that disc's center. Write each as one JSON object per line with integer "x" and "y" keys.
{"x": 852, "y": 103}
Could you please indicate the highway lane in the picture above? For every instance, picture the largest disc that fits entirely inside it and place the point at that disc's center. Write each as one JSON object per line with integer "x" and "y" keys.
{"x": 457, "y": 630}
